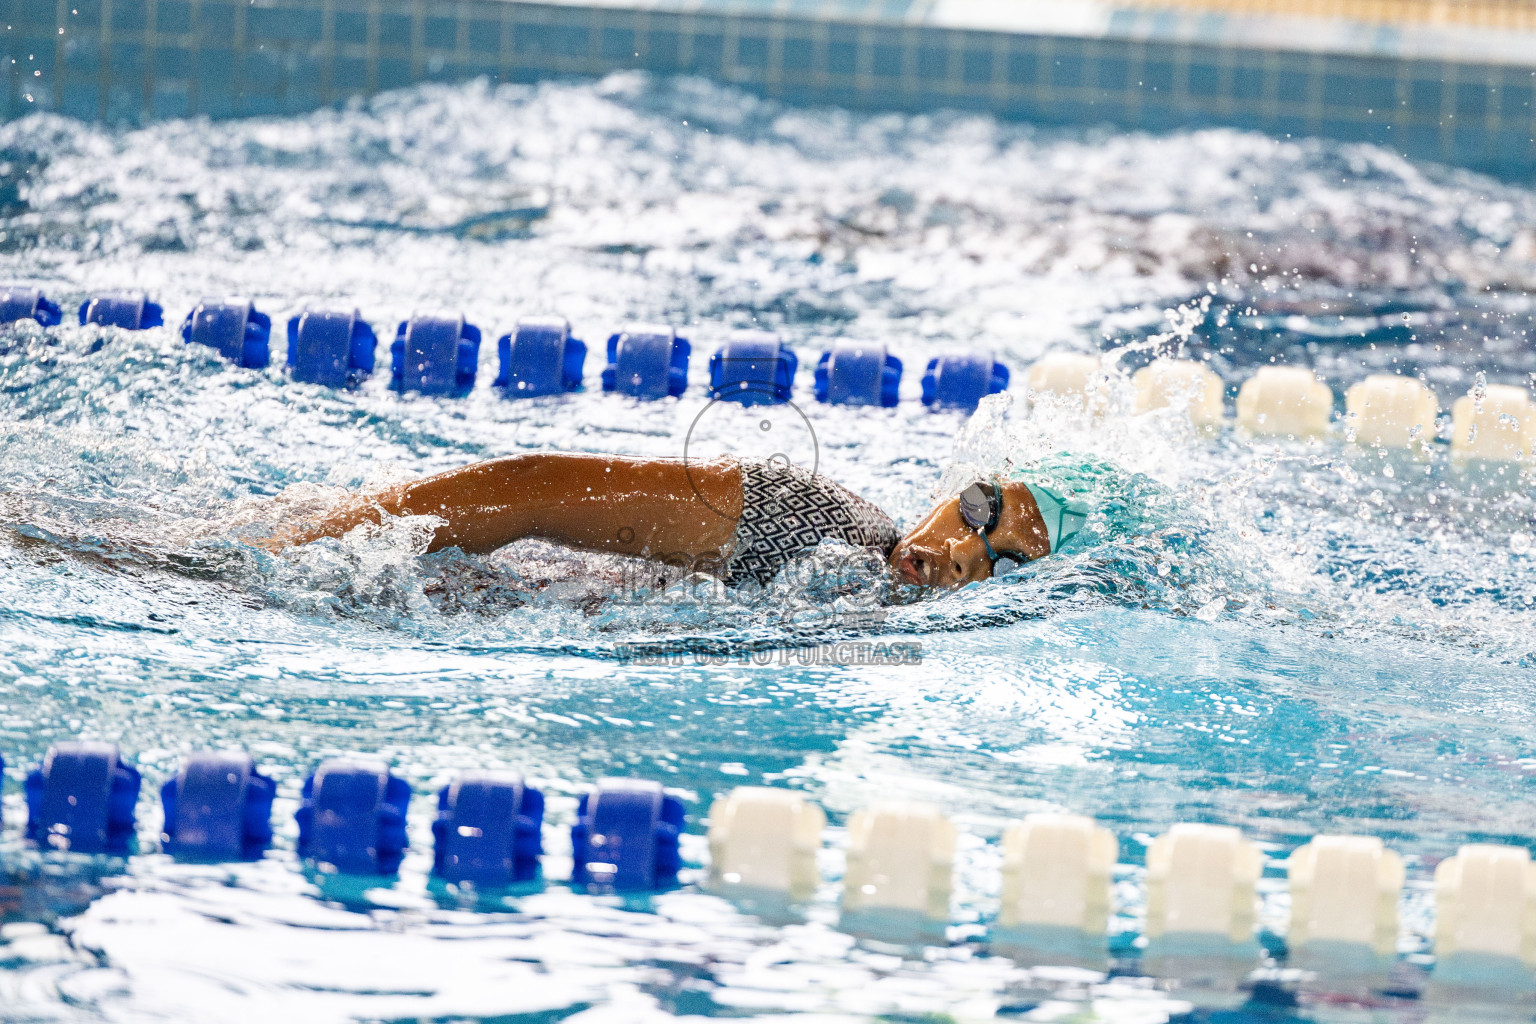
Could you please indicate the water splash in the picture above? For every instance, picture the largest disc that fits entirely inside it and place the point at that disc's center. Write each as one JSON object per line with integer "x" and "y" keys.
{"x": 1288, "y": 637}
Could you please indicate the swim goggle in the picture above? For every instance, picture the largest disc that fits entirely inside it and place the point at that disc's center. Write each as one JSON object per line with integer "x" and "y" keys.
{"x": 981, "y": 506}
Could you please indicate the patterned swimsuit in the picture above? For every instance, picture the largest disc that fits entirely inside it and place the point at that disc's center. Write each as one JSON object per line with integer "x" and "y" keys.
{"x": 786, "y": 511}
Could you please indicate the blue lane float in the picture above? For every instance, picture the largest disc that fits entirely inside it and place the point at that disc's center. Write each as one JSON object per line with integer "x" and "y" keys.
{"x": 217, "y": 808}
{"x": 858, "y": 373}
{"x": 752, "y": 368}
{"x": 335, "y": 348}
{"x": 24, "y": 302}
{"x": 539, "y": 358}
{"x": 647, "y": 361}
{"x": 132, "y": 311}
{"x": 960, "y": 380}
{"x": 625, "y": 836}
{"x": 81, "y": 799}
{"x": 487, "y": 830}
{"x": 353, "y": 817}
{"x": 435, "y": 355}
{"x": 232, "y": 327}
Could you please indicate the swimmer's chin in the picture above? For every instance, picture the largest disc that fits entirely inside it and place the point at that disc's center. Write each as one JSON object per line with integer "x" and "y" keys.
{"x": 901, "y": 590}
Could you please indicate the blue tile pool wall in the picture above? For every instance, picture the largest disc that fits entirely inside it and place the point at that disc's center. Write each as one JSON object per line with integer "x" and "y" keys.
{"x": 130, "y": 60}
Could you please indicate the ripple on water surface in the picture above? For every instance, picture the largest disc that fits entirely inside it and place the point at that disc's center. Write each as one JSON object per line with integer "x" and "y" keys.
{"x": 1289, "y": 638}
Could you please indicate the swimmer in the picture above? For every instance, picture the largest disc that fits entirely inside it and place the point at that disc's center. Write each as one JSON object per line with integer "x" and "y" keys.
{"x": 738, "y": 519}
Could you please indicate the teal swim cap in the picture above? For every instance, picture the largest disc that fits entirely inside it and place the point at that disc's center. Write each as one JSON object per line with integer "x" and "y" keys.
{"x": 1063, "y": 518}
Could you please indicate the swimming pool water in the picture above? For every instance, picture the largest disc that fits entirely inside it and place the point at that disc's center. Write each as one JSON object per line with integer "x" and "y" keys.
{"x": 1305, "y": 638}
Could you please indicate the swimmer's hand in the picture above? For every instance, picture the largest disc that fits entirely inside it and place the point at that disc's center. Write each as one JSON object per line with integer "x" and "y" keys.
{"x": 336, "y": 522}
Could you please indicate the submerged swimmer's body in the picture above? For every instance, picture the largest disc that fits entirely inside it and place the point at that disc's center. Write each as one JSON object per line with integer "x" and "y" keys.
{"x": 738, "y": 519}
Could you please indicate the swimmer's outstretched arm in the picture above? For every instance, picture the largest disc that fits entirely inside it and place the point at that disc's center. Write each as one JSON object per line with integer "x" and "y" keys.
{"x": 659, "y": 507}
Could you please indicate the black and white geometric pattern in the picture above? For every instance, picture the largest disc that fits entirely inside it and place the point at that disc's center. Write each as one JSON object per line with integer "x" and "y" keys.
{"x": 786, "y": 511}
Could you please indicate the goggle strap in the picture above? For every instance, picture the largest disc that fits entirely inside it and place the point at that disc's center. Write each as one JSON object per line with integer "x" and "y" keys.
{"x": 988, "y": 542}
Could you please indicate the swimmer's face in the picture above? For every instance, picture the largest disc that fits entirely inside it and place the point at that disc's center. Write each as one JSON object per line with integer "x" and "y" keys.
{"x": 942, "y": 551}
{"x": 945, "y": 551}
